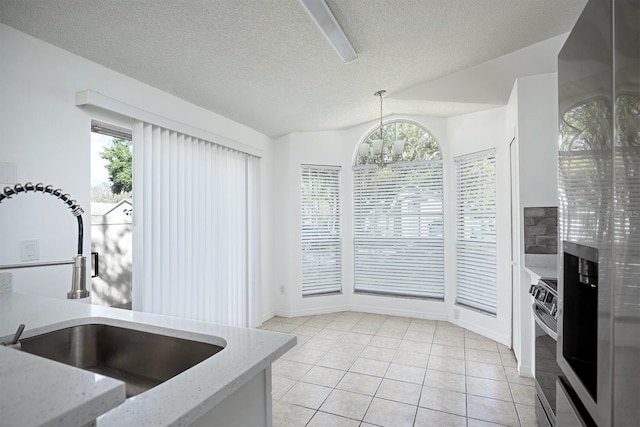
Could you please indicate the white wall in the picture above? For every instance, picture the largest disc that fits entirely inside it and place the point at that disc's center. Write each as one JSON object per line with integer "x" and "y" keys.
{"x": 533, "y": 121}
{"x": 516, "y": 227}
{"x": 457, "y": 136}
{"x": 467, "y": 134}
{"x": 317, "y": 148}
{"x": 538, "y": 136}
{"x": 48, "y": 137}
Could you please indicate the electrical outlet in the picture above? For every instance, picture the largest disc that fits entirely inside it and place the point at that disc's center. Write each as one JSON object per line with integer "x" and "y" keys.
{"x": 6, "y": 280}
{"x": 456, "y": 313}
{"x": 282, "y": 290}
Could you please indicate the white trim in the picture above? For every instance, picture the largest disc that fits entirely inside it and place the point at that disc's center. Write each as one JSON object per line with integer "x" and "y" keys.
{"x": 476, "y": 232}
{"x": 321, "y": 229}
{"x": 313, "y": 311}
{"x": 95, "y": 99}
{"x": 487, "y": 152}
{"x": 315, "y": 165}
{"x": 364, "y": 309}
{"x": 474, "y": 326}
{"x": 267, "y": 316}
{"x": 419, "y": 314}
{"x": 399, "y": 165}
{"x": 525, "y": 370}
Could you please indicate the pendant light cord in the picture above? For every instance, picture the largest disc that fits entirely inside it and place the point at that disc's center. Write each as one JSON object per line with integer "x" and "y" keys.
{"x": 381, "y": 93}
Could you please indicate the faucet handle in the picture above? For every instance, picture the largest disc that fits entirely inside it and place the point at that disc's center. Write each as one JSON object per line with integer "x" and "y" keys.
{"x": 16, "y": 337}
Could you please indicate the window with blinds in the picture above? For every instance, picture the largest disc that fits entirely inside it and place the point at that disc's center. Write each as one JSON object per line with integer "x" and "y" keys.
{"x": 321, "y": 234}
{"x": 476, "y": 231}
{"x": 398, "y": 229}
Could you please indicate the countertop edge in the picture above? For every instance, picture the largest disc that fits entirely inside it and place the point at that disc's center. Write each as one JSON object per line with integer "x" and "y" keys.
{"x": 180, "y": 400}
{"x": 538, "y": 272}
{"x": 104, "y": 394}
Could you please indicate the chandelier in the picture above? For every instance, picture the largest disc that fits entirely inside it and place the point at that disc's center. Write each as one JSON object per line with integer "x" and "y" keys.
{"x": 382, "y": 152}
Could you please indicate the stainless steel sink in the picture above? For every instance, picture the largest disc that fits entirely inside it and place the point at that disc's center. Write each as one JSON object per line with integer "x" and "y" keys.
{"x": 141, "y": 359}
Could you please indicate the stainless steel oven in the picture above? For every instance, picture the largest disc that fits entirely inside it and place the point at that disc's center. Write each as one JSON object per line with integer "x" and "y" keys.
{"x": 545, "y": 310}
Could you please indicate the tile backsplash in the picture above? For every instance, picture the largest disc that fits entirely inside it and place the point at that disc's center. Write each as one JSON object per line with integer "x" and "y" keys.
{"x": 541, "y": 230}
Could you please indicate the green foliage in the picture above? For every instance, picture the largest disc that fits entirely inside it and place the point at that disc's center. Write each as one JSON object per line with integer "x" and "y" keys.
{"x": 102, "y": 194}
{"x": 585, "y": 126}
{"x": 419, "y": 144}
{"x": 119, "y": 157}
{"x": 628, "y": 121}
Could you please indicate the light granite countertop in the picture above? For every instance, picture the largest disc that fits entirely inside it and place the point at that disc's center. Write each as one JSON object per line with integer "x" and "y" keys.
{"x": 26, "y": 381}
{"x": 541, "y": 266}
{"x": 538, "y": 273}
{"x": 178, "y": 401}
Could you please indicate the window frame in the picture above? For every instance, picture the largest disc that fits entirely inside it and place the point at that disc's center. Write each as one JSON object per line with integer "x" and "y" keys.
{"x": 389, "y": 135}
{"x": 321, "y": 247}
{"x": 375, "y": 251}
{"x": 476, "y": 233}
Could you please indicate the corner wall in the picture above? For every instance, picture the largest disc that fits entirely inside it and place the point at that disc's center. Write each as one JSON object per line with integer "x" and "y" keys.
{"x": 468, "y": 134}
{"x": 533, "y": 122}
{"x": 457, "y": 136}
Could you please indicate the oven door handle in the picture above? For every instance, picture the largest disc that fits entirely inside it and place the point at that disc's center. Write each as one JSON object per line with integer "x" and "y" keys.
{"x": 540, "y": 321}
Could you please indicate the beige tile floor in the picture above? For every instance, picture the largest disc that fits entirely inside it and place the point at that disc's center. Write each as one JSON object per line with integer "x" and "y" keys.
{"x": 358, "y": 369}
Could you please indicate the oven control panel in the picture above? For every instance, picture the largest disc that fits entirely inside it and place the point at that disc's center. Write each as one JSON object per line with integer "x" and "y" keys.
{"x": 545, "y": 294}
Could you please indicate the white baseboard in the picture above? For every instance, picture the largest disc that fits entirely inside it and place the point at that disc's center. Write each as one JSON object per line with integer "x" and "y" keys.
{"x": 313, "y": 311}
{"x": 267, "y": 316}
{"x": 473, "y": 327}
{"x": 398, "y": 312}
{"x": 525, "y": 371}
{"x": 361, "y": 309}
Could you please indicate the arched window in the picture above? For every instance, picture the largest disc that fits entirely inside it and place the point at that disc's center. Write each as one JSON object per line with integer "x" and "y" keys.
{"x": 401, "y": 141}
{"x": 398, "y": 212}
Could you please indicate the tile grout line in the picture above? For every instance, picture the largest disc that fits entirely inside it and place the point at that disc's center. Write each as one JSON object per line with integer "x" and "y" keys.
{"x": 373, "y": 332}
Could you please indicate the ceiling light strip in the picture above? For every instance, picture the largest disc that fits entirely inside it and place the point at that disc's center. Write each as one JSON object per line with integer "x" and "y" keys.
{"x": 323, "y": 17}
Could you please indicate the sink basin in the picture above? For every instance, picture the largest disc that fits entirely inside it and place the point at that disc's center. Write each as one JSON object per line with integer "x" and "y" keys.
{"x": 141, "y": 360}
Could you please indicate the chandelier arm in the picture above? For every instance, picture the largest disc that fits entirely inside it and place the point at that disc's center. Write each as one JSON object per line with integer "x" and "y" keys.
{"x": 415, "y": 150}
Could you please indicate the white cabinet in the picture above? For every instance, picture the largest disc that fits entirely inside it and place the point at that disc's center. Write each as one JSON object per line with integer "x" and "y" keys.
{"x": 250, "y": 405}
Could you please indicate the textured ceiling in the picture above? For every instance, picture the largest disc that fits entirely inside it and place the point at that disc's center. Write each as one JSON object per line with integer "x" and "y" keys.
{"x": 265, "y": 64}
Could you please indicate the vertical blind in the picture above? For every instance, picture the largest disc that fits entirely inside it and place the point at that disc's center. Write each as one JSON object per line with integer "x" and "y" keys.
{"x": 321, "y": 231}
{"x": 196, "y": 228}
{"x": 398, "y": 230}
{"x": 476, "y": 231}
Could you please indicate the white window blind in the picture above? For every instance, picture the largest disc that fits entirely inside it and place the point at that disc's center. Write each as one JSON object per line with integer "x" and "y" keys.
{"x": 196, "y": 228}
{"x": 321, "y": 235}
{"x": 398, "y": 230}
{"x": 476, "y": 231}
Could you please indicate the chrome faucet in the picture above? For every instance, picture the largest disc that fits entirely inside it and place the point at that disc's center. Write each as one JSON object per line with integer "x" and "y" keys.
{"x": 79, "y": 279}
{"x": 15, "y": 341}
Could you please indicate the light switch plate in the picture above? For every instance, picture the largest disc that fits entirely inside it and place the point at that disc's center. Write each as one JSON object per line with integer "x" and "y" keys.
{"x": 30, "y": 250}
{"x": 5, "y": 281}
